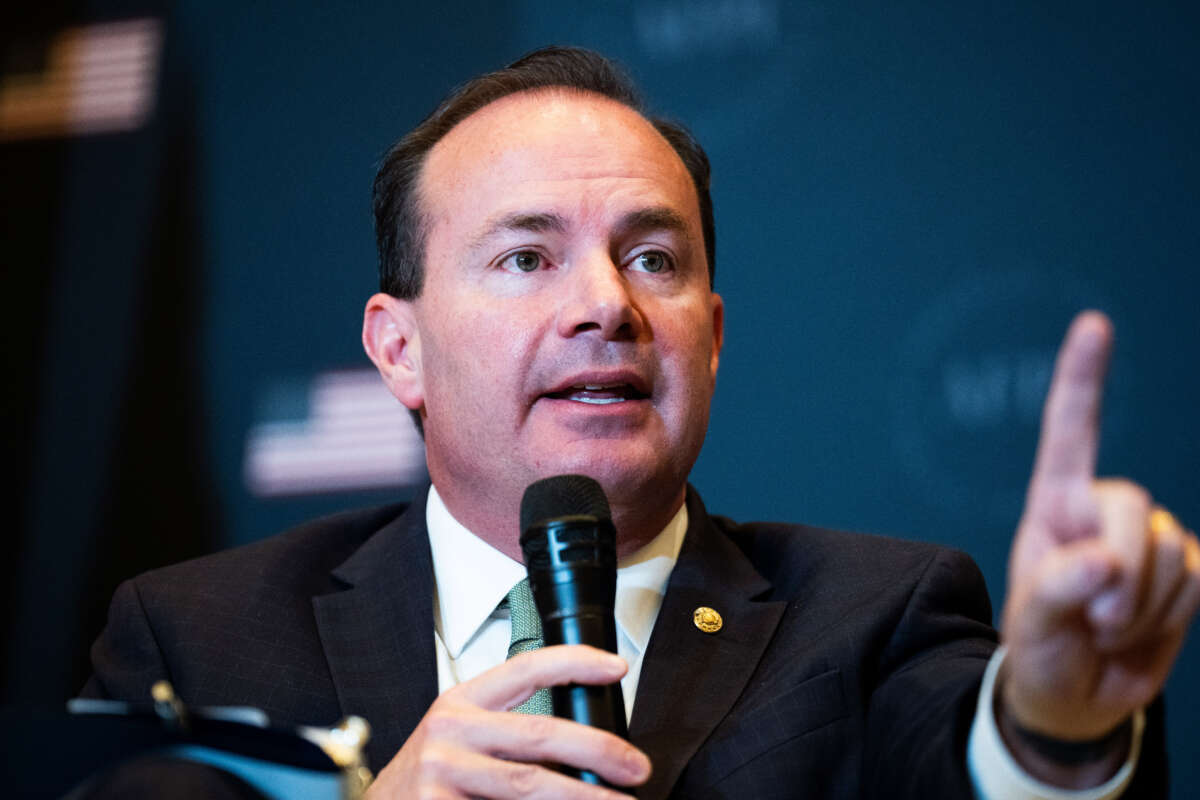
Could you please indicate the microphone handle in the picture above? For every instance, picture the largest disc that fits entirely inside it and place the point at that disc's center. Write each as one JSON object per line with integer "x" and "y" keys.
{"x": 576, "y": 607}
{"x": 599, "y": 706}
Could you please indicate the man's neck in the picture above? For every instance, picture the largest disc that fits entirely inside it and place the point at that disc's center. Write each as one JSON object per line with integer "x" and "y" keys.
{"x": 637, "y": 521}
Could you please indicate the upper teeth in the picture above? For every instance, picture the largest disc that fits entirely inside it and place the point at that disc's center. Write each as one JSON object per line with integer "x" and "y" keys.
{"x": 593, "y": 387}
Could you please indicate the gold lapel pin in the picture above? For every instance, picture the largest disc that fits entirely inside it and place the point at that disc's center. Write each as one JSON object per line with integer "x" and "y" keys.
{"x": 707, "y": 619}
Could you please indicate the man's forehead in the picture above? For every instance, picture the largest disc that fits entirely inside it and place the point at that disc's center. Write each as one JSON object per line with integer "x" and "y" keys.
{"x": 552, "y": 134}
{"x": 548, "y": 108}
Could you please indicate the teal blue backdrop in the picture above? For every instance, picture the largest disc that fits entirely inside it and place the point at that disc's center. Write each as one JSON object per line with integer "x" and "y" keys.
{"x": 912, "y": 200}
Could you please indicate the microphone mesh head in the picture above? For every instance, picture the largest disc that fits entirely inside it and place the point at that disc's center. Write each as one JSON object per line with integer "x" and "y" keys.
{"x": 561, "y": 496}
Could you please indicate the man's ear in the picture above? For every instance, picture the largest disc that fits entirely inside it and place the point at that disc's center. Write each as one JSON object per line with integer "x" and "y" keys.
{"x": 393, "y": 342}
{"x": 718, "y": 331}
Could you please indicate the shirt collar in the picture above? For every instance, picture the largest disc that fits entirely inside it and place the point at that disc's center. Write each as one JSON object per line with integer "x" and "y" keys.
{"x": 642, "y": 578}
{"x": 471, "y": 578}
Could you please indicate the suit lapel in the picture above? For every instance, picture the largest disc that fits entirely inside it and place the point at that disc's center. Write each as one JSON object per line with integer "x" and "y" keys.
{"x": 691, "y": 679}
{"x": 378, "y": 633}
{"x": 377, "y": 637}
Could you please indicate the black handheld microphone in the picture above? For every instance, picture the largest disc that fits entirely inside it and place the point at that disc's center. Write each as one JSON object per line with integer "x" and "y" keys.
{"x": 570, "y": 550}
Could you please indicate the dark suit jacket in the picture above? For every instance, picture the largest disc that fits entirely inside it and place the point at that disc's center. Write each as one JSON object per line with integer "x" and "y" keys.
{"x": 847, "y": 666}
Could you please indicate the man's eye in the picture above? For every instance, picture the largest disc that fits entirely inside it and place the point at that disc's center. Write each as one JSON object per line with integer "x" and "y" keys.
{"x": 652, "y": 261}
{"x": 526, "y": 260}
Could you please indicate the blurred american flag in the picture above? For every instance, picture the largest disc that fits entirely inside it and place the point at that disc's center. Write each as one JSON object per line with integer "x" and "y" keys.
{"x": 90, "y": 79}
{"x": 355, "y": 436}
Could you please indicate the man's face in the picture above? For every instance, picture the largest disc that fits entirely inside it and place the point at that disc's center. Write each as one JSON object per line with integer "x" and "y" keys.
{"x": 566, "y": 322}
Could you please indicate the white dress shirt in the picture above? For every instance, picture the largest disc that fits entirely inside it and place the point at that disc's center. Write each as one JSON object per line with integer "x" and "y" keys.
{"x": 471, "y": 578}
{"x": 471, "y": 636}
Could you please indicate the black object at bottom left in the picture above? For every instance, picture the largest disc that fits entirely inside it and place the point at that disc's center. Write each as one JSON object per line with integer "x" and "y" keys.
{"x": 107, "y": 748}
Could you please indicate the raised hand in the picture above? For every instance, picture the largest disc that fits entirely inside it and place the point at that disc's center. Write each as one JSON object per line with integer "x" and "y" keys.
{"x": 1102, "y": 583}
{"x": 469, "y": 745}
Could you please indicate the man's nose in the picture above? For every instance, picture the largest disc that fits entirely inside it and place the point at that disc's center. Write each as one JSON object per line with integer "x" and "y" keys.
{"x": 598, "y": 298}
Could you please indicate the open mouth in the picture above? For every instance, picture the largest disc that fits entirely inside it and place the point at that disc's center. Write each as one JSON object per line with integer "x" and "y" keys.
{"x": 599, "y": 394}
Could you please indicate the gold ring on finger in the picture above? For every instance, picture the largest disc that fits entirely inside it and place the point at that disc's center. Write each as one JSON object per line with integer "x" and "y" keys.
{"x": 1162, "y": 521}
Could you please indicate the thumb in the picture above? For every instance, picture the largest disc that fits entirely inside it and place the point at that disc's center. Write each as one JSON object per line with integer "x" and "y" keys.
{"x": 1066, "y": 580}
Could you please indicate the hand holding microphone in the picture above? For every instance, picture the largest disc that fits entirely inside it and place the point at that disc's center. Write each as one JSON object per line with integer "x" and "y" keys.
{"x": 468, "y": 744}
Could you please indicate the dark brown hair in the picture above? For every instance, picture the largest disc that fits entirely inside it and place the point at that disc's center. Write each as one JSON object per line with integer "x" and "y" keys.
{"x": 399, "y": 224}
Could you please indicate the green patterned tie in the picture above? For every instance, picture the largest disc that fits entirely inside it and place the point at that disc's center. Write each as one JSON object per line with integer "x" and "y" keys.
{"x": 526, "y": 636}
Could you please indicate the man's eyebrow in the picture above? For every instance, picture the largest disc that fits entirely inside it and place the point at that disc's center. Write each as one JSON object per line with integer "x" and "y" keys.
{"x": 654, "y": 218}
{"x": 660, "y": 218}
{"x": 521, "y": 221}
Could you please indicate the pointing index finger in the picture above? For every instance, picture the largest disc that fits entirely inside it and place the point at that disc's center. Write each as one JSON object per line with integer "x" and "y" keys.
{"x": 1071, "y": 420}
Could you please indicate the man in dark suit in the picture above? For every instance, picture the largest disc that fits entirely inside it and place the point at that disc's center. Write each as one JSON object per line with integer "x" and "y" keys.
{"x": 547, "y": 256}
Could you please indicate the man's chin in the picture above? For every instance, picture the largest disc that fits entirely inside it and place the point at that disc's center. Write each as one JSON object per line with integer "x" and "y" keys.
{"x": 627, "y": 474}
